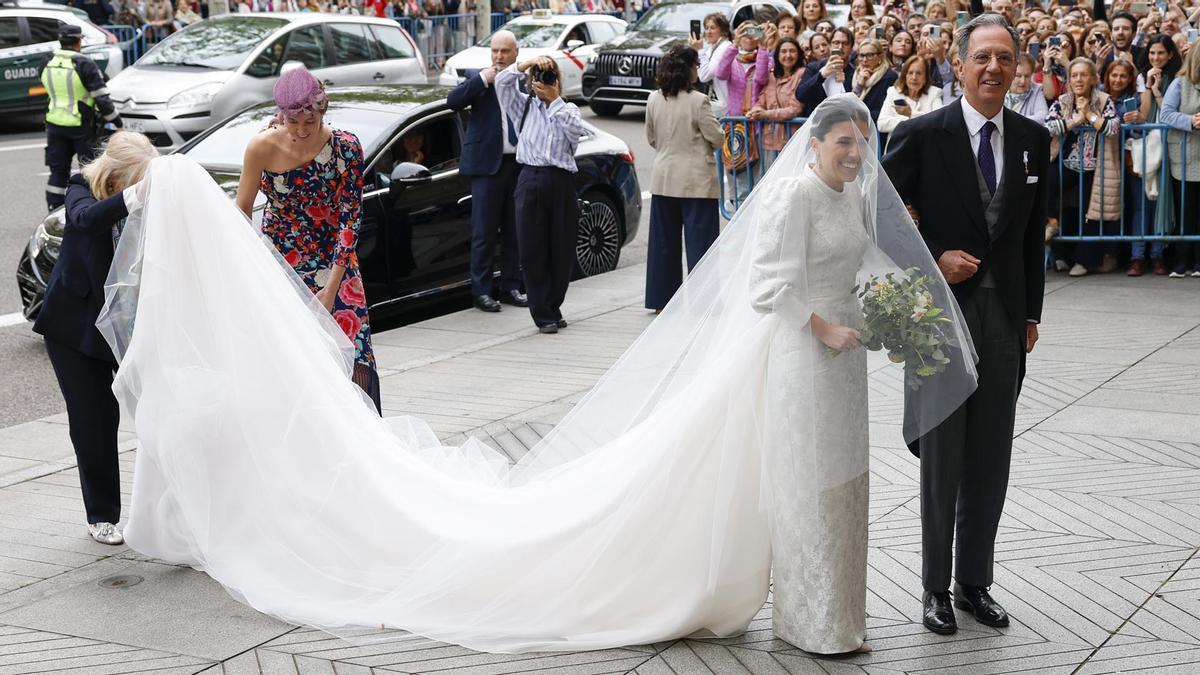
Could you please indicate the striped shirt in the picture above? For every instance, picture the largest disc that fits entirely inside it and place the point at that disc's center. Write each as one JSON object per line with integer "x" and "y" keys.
{"x": 550, "y": 134}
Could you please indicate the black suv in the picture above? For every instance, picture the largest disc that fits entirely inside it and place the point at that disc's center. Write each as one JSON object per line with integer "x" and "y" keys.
{"x": 622, "y": 70}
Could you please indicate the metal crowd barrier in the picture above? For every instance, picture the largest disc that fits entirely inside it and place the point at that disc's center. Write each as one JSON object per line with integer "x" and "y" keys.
{"x": 1131, "y": 221}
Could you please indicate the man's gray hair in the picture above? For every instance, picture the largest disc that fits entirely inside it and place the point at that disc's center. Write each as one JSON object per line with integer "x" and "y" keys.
{"x": 963, "y": 39}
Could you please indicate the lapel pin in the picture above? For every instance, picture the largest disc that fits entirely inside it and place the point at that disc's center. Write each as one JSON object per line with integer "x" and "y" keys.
{"x": 1025, "y": 158}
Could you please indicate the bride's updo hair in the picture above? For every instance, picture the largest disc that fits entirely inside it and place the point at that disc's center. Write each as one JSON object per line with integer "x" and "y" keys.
{"x": 834, "y": 111}
{"x": 298, "y": 91}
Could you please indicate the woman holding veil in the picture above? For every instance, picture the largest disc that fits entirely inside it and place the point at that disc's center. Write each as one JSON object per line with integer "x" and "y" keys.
{"x": 732, "y": 432}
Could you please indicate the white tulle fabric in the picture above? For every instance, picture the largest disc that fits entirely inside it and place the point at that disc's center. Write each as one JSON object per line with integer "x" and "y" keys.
{"x": 648, "y": 514}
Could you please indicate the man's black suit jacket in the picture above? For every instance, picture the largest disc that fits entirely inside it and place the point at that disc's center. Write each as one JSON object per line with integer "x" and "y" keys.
{"x": 932, "y": 166}
{"x": 75, "y": 293}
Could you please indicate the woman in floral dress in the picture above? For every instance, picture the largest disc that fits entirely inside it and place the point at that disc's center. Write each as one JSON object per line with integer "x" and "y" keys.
{"x": 312, "y": 177}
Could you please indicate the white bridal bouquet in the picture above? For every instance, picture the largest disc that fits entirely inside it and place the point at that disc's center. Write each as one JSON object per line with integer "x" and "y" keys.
{"x": 900, "y": 316}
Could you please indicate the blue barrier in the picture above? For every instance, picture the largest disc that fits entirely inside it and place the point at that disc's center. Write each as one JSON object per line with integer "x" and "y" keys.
{"x": 1177, "y": 225}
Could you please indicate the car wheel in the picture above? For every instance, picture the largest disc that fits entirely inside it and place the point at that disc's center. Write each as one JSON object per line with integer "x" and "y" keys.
{"x": 606, "y": 108}
{"x": 598, "y": 241}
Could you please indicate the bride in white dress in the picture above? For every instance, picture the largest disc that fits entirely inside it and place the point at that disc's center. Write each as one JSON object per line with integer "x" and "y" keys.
{"x": 727, "y": 434}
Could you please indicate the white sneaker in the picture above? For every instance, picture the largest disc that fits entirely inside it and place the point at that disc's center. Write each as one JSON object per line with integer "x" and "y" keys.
{"x": 1196, "y": 274}
{"x": 106, "y": 533}
{"x": 1176, "y": 274}
{"x": 1061, "y": 266}
{"x": 1078, "y": 271}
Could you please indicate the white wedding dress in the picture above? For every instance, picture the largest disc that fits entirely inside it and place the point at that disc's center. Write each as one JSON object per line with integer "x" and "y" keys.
{"x": 819, "y": 543}
{"x": 649, "y": 513}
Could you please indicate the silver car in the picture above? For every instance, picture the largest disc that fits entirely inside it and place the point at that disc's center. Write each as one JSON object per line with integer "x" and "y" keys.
{"x": 213, "y": 68}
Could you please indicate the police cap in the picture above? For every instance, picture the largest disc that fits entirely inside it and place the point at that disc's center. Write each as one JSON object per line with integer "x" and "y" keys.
{"x": 70, "y": 32}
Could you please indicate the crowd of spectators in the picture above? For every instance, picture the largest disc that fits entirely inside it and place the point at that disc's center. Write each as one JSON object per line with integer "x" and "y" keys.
{"x": 1093, "y": 75}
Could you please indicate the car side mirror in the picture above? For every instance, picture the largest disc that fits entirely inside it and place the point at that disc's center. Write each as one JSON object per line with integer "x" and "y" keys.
{"x": 572, "y": 45}
{"x": 407, "y": 174}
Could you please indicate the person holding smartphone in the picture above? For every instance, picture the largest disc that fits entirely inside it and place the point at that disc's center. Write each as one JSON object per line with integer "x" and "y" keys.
{"x": 710, "y": 45}
{"x": 913, "y": 94}
{"x": 828, "y": 77}
{"x": 745, "y": 69}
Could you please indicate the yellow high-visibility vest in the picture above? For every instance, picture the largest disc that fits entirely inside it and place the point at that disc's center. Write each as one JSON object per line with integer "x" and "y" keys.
{"x": 65, "y": 90}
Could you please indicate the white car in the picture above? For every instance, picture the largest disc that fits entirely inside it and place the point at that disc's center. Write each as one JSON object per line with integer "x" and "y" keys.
{"x": 568, "y": 38}
{"x": 28, "y": 38}
{"x": 216, "y": 67}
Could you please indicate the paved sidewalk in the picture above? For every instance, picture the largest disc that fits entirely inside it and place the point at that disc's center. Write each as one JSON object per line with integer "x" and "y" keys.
{"x": 1096, "y": 559}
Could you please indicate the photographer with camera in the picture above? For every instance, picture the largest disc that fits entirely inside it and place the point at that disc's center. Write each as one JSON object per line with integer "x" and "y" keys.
{"x": 548, "y": 133}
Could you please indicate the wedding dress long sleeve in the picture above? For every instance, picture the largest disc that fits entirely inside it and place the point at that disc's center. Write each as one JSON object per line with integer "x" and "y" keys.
{"x": 811, "y": 243}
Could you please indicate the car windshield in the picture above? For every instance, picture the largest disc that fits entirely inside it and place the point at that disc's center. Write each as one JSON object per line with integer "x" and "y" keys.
{"x": 219, "y": 45}
{"x": 677, "y": 17}
{"x": 224, "y": 147}
{"x": 531, "y": 35}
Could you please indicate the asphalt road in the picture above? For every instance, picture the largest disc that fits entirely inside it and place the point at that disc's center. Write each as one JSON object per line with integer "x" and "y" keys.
{"x": 28, "y": 390}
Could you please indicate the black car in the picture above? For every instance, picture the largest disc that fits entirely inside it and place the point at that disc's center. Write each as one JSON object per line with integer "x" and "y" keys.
{"x": 622, "y": 70}
{"x": 414, "y": 242}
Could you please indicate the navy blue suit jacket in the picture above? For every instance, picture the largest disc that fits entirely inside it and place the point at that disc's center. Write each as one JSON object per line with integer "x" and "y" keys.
{"x": 810, "y": 91}
{"x": 75, "y": 293}
{"x": 483, "y": 146}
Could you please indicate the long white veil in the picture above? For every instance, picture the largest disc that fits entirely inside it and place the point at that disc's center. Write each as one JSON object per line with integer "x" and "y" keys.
{"x": 642, "y": 516}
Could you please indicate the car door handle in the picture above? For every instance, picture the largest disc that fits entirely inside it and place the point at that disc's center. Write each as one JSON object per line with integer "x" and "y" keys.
{"x": 328, "y": 83}
{"x": 378, "y": 76}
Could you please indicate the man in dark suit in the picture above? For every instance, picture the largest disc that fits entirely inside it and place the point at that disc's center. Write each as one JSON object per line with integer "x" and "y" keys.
{"x": 489, "y": 158}
{"x": 974, "y": 176}
{"x": 828, "y": 77}
{"x": 82, "y": 360}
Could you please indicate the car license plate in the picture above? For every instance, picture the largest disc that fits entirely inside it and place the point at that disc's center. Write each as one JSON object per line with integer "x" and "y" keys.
{"x": 134, "y": 125}
{"x": 622, "y": 81}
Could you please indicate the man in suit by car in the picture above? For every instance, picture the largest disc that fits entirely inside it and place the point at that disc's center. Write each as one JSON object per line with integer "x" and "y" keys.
{"x": 974, "y": 175}
{"x": 489, "y": 157}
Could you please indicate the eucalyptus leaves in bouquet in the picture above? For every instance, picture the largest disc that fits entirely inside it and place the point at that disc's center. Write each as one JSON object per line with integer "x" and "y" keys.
{"x": 901, "y": 317}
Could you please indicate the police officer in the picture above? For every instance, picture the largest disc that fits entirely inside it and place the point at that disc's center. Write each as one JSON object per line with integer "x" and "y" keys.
{"x": 79, "y": 106}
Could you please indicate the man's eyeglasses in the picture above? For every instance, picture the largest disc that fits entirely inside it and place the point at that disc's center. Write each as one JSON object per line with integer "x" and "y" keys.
{"x": 983, "y": 59}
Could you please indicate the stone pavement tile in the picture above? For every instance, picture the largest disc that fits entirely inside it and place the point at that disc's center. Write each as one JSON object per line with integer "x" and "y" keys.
{"x": 1158, "y": 656}
{"x": 26, "y": 651}
{"x": 1134, "y": 450}
{"x": 1056, "y": 359}
{"x": 148, "y": 615}
{"x": 1167, "y": 378}
{"x": 1160, "y": 298}
{"x": 1108, "y": 421}
{"x": 1176, "y": 352}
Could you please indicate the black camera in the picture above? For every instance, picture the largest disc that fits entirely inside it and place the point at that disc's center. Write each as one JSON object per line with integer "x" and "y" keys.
{"x": 546, "y": 77}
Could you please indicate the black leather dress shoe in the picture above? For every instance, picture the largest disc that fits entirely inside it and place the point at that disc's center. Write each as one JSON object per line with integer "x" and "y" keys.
{"x": 939, "y": 614}
{"x": 548, "y": 329}
{"x": 561, "y": 323}
{"x": 515, "y": 298}
{"x": 486, "y": 303}
{"x": 975, "y": 599}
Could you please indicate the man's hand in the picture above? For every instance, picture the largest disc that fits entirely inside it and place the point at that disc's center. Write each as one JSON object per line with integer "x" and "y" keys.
{"x": 488, "y": 74}
{"x": 1031, "y": 336}
{"x": 958, "y": 266}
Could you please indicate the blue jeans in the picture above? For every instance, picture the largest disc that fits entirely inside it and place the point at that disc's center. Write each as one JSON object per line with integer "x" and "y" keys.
{"x": 1141, "y": 219}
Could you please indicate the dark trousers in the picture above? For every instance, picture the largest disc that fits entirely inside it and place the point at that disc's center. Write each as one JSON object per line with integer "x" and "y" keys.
{"x": 547, "y": 222}
{"x": 92, "y": 417}
{"x": 965, "y": 460}
{"x": 1186, "y": 254}
{"x": 696, "y": 222}
{"x": 60, "y": 149}
{"x": 1073, "y": 221}
{"x": 493, "y": 210}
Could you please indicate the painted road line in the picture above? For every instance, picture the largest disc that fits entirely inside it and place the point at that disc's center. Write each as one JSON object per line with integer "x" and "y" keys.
{"x": 32, "y": 146}
{"x": 12, "y": 319}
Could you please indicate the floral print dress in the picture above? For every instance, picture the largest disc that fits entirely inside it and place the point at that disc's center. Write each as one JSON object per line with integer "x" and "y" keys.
{"x": 312, "y": 217}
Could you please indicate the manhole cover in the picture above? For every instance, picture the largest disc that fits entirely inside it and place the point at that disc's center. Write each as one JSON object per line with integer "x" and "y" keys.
{"x": 122, "y": 581}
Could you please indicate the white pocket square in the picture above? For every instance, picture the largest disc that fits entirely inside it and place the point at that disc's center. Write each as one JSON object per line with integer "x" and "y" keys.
{"x": 1030, "y": 179}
